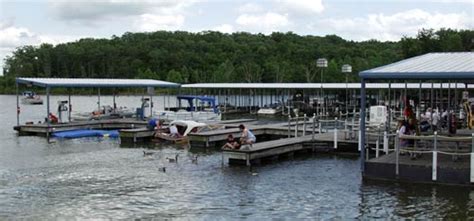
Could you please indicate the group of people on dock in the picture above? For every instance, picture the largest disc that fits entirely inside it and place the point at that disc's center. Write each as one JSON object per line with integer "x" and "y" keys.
{"x": 246, "y": 138}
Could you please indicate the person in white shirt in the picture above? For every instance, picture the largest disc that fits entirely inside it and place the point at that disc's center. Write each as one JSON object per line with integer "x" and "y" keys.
{"x": 435, "y": 120}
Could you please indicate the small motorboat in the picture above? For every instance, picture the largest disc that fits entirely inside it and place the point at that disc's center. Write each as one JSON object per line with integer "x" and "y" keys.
{"x": 182, "y": 129}
{"x": 30, "y": 97}
{"x": 105, "y": 112}
{"x": 272, "y": 109}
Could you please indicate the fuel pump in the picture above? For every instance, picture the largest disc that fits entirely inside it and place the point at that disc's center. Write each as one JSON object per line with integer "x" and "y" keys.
{"x": 145, "y": 104}
{"x": 62, "y": 107}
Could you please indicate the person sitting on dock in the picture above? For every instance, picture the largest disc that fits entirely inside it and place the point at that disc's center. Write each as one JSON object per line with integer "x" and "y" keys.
{"x": 231, "y": 143}
{"x": 247, "y": 136}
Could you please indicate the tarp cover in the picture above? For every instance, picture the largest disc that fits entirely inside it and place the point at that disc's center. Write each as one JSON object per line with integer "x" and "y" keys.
{"x": 86, "y": 133}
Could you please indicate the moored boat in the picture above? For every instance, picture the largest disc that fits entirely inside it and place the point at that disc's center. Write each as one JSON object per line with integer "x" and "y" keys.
{"x": 105, "y": 112}
{"x": 199, "y": 108}
{"x": 181, "y": 129}
{"x": 30, "y": 97}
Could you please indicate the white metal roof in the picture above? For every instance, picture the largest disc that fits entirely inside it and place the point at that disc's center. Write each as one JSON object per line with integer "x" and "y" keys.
{"x": 448, "y": 65}
{"x": 94, "y": 82}
{"x": 324, "y": 85}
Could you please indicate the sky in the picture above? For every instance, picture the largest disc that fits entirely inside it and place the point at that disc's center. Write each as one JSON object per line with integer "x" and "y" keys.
{"x": 32, "y": 22}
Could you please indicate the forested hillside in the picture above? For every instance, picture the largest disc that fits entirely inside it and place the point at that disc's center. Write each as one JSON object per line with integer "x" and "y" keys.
{"x": 186, "y": 57}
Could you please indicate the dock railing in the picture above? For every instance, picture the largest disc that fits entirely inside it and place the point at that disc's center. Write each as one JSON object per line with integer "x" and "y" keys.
{"x": 417, "y": 148}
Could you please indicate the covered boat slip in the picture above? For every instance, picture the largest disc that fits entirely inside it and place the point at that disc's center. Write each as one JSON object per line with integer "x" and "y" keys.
{"x": 319, "y": 98}
{"x": 428, "y": 157}
{"x": 50, "y": 83}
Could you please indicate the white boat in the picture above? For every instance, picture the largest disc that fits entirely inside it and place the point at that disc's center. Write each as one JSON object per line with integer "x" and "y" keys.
{"x": 30, "y": 97}
{"x": 270, "y": 110}
{"x": 184, "y": 127}
{"x": 105, "y": 112}
{"x": 205, "y": 110}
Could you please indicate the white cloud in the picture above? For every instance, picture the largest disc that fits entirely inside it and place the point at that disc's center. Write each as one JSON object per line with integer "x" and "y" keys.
{"x": 393, "y": 27}
{"x": 92, "y": 10}
{"x": 12, "y": 37}
{"x": 151, "y": 22}
{"x": 144, "y": 15}
{"x": 300, "y": 7}
{"x": 250, "y": 8}
{"x": 264, "y": 23}
{"x": 224, "y": 28}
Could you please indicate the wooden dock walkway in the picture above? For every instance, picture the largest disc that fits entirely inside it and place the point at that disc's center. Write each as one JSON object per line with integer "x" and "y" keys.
{"x": 325, "y": 142}
{"x": 216, "y": 137}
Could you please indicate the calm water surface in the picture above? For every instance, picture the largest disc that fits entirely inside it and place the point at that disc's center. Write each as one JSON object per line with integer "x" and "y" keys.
{"x": 99, "y": 178}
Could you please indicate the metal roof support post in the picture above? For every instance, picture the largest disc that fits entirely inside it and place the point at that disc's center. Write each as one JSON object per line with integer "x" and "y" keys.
{"x": 456, "y": 96}
{"x": 362, "y": 124}
{"x": 387, "y": 128}
{"x": 47, "y": 113}
{"x": 164, "y": 101}
{"x": 98, "y": 98}
{"x": 419, "y": 103}
{"x": 17, "y": 105}
{"x": 114, "y": 103}
{"x": 69, "y": 104}
{"x": 151, "y": 104}
{"x": 449, "y": 96}
{"x": 431, "y": 98}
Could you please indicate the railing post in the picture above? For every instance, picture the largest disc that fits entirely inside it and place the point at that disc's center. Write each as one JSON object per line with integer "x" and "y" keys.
{"x": 385, "y": 142}
{"x": 472, "y": 159}
{"x": 377, "y": 144}
{"x": 296, "y": 126}
{"x": 304, "y": 125}
{"x": 335, "y": 138}
{"x": 435, "y": 165}
{"x": 314, "y": 125}
{"x": 359, "y": 141}
{"x": 397, "y": 152}
{"x": 289, "y": 125}
{"x": 319, "y": 127}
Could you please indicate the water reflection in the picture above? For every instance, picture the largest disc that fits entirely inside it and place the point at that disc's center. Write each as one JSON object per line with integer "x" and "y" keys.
{"x": 100, "y": 179}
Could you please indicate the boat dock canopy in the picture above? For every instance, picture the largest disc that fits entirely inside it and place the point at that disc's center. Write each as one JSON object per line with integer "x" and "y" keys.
{"x": 94, "y": 82}
{"x": 324, "y": 85}
{"x": 447, "y": 65}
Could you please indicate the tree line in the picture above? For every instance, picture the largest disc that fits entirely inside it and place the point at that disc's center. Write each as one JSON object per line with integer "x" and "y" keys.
{"x": 209, "y": 56}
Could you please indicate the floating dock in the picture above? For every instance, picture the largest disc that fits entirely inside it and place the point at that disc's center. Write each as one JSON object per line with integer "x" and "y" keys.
{"x": 143, "y": 134}
{"x": 43, "y": 129}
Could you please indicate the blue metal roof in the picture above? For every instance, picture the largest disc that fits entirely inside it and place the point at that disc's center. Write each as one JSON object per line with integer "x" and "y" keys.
{"x": 94, "y": 82}
{"x": 449, "y": 65}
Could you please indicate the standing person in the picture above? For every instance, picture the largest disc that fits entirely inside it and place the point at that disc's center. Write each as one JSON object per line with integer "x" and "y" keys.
{"x": 435, "y": 120}
{"x": 247, "y": 136}
{"x": 403, "y": 129}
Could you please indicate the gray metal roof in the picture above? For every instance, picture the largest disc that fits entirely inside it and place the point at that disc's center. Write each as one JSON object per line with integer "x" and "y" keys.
{"x": 94, "y": 82}
{"x": 324, "y": 85}
{"x": 450, "y": 65}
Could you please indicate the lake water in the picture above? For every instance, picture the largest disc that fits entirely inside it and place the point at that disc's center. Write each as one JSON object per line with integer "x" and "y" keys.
{"x": 100, "y": 179}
